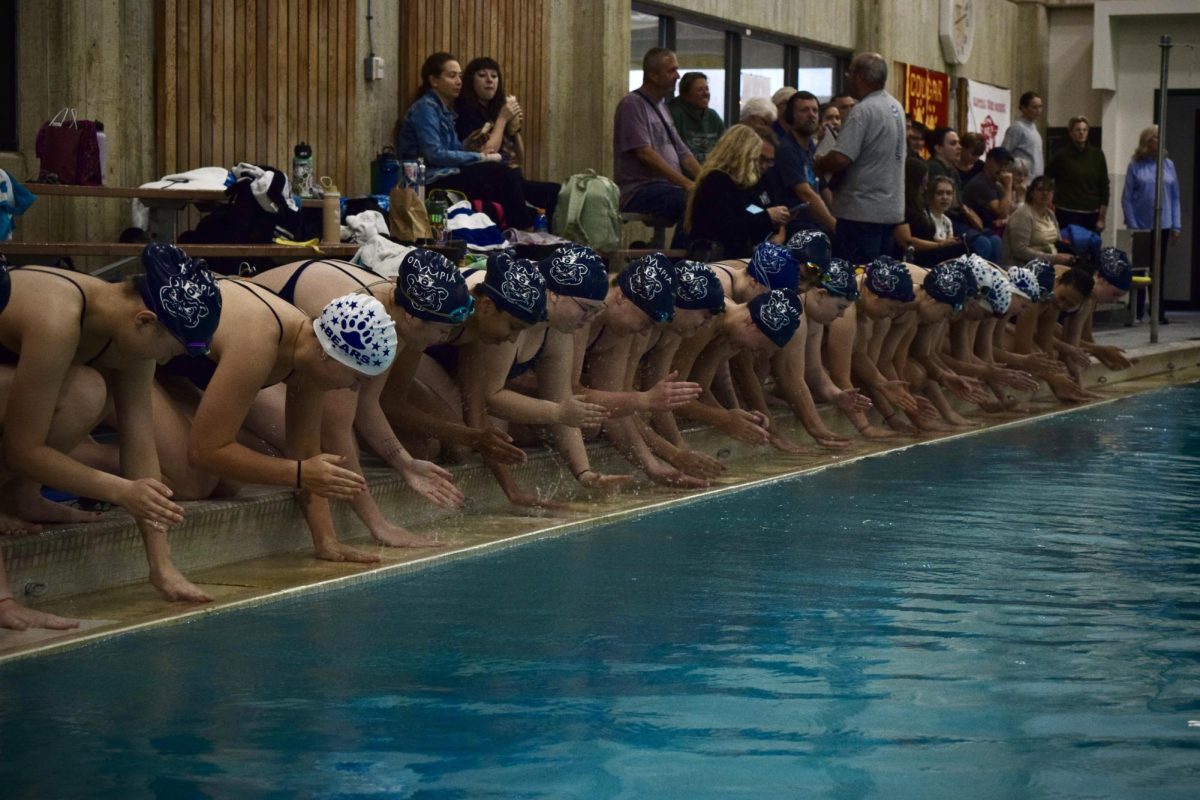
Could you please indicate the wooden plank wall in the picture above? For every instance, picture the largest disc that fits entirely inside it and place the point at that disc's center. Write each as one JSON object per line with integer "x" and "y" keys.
{"x": 513, "y": 32}
{"x": 245, "y": 80}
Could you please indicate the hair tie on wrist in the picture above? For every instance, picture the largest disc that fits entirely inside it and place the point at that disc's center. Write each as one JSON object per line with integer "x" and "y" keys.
{"x": 583, "y": 471}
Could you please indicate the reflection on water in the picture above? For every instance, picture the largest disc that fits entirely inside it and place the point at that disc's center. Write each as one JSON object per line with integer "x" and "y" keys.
{"x": 1007, "y": 615}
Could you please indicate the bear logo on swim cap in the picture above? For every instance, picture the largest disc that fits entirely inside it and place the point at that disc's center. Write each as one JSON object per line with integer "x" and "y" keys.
{"x": 356, "y": 330}
{"x": 698, "y": 287}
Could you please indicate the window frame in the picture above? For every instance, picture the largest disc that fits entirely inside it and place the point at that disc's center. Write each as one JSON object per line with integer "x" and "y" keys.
{"x": 734, "y": 34}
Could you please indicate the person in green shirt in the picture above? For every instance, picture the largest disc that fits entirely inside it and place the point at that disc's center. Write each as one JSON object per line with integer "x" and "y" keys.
{"x": 698, "y": 125}
{"x": 1080, "y": 173}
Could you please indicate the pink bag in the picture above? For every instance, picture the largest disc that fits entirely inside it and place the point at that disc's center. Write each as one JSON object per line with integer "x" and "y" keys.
{"x": 69, "y": 150}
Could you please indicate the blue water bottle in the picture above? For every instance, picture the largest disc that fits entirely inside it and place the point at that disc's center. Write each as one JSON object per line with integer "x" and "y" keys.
{"x": 540, "y": 223}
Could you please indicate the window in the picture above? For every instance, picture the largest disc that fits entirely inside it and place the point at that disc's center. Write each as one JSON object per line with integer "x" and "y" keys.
{"x": 740, "y": 63}
{"x": 703, "y": 50}
{"x": 762, "y": 68}
{"x": 8, "y": 75}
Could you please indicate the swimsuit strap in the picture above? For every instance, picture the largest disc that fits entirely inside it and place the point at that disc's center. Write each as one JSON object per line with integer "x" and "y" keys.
{"x": 82, "y": 310}
{"x": 288, "y": 290}
{"x": 263, "y": 300}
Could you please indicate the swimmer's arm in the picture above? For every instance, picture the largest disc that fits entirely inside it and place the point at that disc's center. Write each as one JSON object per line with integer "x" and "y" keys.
{"x": 373, "y": 426}
{"x": 37, "y": 384}
{"x": 407, "y": 417}
{"x": 820, "y": 385}
{"x": 554, "y": 384}
{"x": 658, "y": 366}
{"x": 607, "y": 376}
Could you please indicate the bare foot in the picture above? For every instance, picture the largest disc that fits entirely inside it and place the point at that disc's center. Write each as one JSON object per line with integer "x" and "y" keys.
{"x": 391, "y": 535}
{"x": 17, "y": 617}
{"x": 12, "y": 525}
{"x": 172, "y": 585}
{"x": 24, "y": 499}
{"x": 336, "y": 551}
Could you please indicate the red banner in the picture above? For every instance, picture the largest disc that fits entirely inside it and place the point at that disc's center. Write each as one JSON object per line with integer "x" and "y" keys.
{"x": 926, "y": 95}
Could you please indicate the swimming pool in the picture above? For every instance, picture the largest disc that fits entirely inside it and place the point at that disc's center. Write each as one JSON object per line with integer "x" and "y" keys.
{"x": 1012, "y": 614}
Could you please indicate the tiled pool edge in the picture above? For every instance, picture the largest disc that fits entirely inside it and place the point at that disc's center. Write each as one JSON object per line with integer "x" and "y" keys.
{"x": 559, "y": 528}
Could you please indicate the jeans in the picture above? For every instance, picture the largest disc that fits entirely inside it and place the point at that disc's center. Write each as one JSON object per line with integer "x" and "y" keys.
{"x": 862, "y": 242}
{"x": 664, "y": 201}
{"x": 984, "y": 244}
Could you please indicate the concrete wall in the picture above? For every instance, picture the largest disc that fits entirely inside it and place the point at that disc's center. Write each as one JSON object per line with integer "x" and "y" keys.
{"x": 1069, "y": 56}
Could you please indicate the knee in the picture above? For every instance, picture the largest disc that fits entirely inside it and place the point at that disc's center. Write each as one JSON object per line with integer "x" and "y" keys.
{"x": 84, "y": 395}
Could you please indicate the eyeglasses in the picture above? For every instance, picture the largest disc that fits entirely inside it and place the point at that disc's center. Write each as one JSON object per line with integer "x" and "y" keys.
{"x": 766, "y": 163}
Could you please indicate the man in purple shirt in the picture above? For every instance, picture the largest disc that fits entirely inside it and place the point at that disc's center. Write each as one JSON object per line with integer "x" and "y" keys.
{"x": 651, "y": 164}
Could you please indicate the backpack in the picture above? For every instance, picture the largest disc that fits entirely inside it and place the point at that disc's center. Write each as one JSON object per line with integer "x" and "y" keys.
{"x": 589, "y": 212}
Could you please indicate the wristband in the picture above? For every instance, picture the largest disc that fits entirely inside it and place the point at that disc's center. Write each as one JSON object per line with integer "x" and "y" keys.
{"x": 583, "y": 471}
{"x": 299, "y": 473}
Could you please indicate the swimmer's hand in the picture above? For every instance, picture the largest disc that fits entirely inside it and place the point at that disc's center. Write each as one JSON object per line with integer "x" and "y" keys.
{"x": 897, "y": 394}
{"x": 1112, "y": 357}
{"x": 519, "y": 497}
{"x": 852, "y": 400}
{"x": 577, "y": 412}
{"x": 148, "y": 501}
{"x": 433, "y": 483}
{"x": 669, "y": 394}
{"x": 602, "y": 480}
{"x": 495, "y": 445}
{"x": 323, "y": 476}
{"x": 333, "y": 550}
{"x": 666, "y": 475}
{"x": 701, "y": 465}
{"x": 744, "y": 426}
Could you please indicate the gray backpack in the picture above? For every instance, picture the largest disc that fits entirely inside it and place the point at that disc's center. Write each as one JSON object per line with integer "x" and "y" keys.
{"x": 589, "y": 212}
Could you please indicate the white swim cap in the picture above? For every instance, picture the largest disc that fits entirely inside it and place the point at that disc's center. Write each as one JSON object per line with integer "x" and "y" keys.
{"x": 356, "y": 330}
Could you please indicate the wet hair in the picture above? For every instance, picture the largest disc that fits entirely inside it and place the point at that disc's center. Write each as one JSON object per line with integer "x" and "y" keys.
{"x": 937, "y": 137}
{"x": 468, "y": 97}
{"x": 689, "y": 78}
{"x": 1079, "y": 278}
{"x": 1028, "y": 98}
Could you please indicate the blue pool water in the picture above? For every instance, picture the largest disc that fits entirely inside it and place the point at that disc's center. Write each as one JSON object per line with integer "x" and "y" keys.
{"x": 1009, "y": 615}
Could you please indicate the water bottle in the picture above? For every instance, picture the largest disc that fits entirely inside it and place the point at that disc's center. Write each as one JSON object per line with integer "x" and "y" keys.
{"x": 102, "y": 146}
{"x": 421, "y": 179}
{"x": 910, "y": 254}
{"x": 302, "y": 170}
{"x": 331, "y": 213}
{"x": 540, "y": 223}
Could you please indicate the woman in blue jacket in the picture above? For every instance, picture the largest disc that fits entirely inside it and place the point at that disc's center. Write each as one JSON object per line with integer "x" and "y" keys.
{"x": 428, "y": 132}
{"x": 1137, "y": 200}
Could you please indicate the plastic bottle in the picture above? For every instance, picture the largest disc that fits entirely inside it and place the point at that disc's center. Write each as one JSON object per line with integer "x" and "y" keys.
{"x": 540, "y": 223}
{"x": 102, "y": 146}
{"x": 910, "y": 254}
{"x": 331, "y": 213}
{"x": 302, "y": 170}
{"x": 421, "y": 179}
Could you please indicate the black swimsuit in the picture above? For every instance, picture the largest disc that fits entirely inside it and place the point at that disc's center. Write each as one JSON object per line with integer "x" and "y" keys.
{"x": 288, "y": 291}
{"x": 10, "y": 357}
{"x": 199, "y": 371}
{"x": 519, "y": 368}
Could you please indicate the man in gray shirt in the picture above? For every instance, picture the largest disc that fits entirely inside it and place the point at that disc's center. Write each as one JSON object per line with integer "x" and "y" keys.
{"x": 1022, "y": 138}
{"x": 651, "y": 164}
{"x": 868, "y": 163}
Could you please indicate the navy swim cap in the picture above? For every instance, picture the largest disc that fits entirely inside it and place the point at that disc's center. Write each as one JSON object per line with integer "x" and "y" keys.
{"x": 182, "y": 293}
{"x": 430, "y": 288}
{"x": 697, "y": 286}
{"x": 889, "y": 279}
{"x": 838, "y": 279}
{"x": 576, "y": 271}
{"x": 812, "y": 248}
{"x": 1115, "y": 268}
{"x": 649, "y": 282}
{"x": 774, "y": 267}
{"x": 516, "y": 286}
{"x": 777, "y": 314}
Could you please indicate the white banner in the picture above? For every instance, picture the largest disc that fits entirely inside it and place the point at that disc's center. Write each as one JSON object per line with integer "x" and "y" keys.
{"x": 989, "y": 111}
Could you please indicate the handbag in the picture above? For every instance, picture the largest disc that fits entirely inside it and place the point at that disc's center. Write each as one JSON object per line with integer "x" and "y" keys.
{"x": 407, "y": 218}
{"x": 68, "y": 150}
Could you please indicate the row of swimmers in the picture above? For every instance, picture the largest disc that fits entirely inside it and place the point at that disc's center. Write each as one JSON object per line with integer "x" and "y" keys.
{"x": 281, "y": 378}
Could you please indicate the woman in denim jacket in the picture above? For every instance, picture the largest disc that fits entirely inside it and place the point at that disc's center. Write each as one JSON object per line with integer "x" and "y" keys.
{"x": 428, "y": 132}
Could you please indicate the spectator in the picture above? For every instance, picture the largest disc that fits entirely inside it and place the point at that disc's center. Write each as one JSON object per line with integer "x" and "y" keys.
{"x": 945, "y": 152}
{"x": 759, "y": 108}
{"x": 1032, "y": 231}
{"x": 829, "y": 117}
{"x": 915, "y": 133}
{"x": 427, "y": 131}
{"x": 869, "y": 155}
{"x": 1080, "y": 174}
{"x": 1022, "y": 138}
{"x": 926, "y": 228}
{"x": 989, "y": 194}
{"x": 780, "y": 98}
{"x": 492, "y": 121}
{"x": 843, "y": 103}
{"x": 698, "y": 125}
{"x": 794, "y": 163}
{"x": 722, "y": 208}
{"x": 1137, "y": 201}
{"x": 970, "y": 159}
{"x": 652, "y": 165}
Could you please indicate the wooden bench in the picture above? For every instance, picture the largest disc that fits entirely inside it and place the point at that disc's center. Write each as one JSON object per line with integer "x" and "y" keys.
{"x": 659, "y": 226}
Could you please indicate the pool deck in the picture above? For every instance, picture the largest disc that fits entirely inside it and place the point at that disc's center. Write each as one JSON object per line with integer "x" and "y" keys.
{"x": 254, "y": 549}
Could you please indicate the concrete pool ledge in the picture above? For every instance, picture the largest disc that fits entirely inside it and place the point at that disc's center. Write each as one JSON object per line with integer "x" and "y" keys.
{"x": 254, "y": 549}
